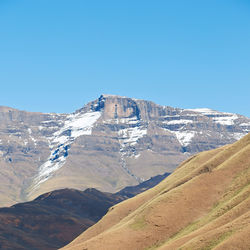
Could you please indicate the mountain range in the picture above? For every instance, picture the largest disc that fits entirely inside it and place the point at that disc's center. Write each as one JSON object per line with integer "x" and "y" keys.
{"x": 110, "y": 143}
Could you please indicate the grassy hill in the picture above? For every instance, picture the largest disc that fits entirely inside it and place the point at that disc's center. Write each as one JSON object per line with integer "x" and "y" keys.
{"x": 204, "y": 204}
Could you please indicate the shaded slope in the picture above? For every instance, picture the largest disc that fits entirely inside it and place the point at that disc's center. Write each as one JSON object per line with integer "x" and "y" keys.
{"x": 56, "y": 218}
{"x": 204, "y": 204}
{"x": 52, "y": 219}
{"x": 132, "y": 191}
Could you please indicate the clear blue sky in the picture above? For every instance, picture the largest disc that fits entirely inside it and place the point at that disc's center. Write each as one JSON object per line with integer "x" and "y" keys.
{"x": 56, "y": 55}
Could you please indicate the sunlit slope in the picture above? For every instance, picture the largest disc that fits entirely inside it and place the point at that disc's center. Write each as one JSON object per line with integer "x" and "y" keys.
{"x": 204, "y": 204}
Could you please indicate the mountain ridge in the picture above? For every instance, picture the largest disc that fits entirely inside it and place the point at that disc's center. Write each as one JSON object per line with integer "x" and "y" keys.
{"x": 108, "y": 138}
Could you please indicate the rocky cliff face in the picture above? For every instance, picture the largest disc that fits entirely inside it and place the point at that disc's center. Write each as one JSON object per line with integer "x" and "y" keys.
{"x": 110, "y": 143}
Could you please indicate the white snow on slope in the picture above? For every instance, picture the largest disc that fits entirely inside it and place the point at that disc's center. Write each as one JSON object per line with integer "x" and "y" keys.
{"x": 246, "y": 124}
{"x": 78, "y": 124}
{"x": 205, "y": 111}
{"x": 184, "y": 137}
{"x": 222, "y": 118}
{"x": 132, "y": 120}
{"x": 226, "y": 120}
{"x": 75, "y": 126}
{"x": 130, "y": 136}
{"x": 176, "y": 122}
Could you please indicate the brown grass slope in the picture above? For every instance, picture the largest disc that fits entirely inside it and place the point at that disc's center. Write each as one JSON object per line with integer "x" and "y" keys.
{"x": 204, "y": 204}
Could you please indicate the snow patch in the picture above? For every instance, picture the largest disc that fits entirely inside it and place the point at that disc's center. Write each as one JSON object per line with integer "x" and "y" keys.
{"x": 34, "y": 140}
{"x": 137, "y": 156}
{"x": 130, "y": 136}
{"x": 176, "y": 122}
{"x": 222, "y": 118}
{"x": 75, "y": 126}
{"x": 46, "y": 122}
{"x": 184, "y": 137}
{"x": 225, "y": 120}
{"x": 246, "y": 124}
{"x": 132, "y": 120}
{"x": 205, "y": 111}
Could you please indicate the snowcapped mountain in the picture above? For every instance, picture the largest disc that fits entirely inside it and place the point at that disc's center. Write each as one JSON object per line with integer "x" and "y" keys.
{"x": 110, "y": 143}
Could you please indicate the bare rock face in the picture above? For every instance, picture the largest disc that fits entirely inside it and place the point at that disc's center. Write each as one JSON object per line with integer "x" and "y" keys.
{"x": 110, "y": 143}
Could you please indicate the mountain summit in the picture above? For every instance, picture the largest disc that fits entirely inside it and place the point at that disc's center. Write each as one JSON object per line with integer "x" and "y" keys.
{"x": 110, "y": 143}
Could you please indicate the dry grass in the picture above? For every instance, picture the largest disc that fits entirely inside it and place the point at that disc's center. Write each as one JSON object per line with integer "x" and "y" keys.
{"x": 204, "y": 204}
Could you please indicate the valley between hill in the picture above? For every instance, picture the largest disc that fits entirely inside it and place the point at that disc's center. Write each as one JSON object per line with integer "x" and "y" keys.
{"x": 54, "y": 219}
